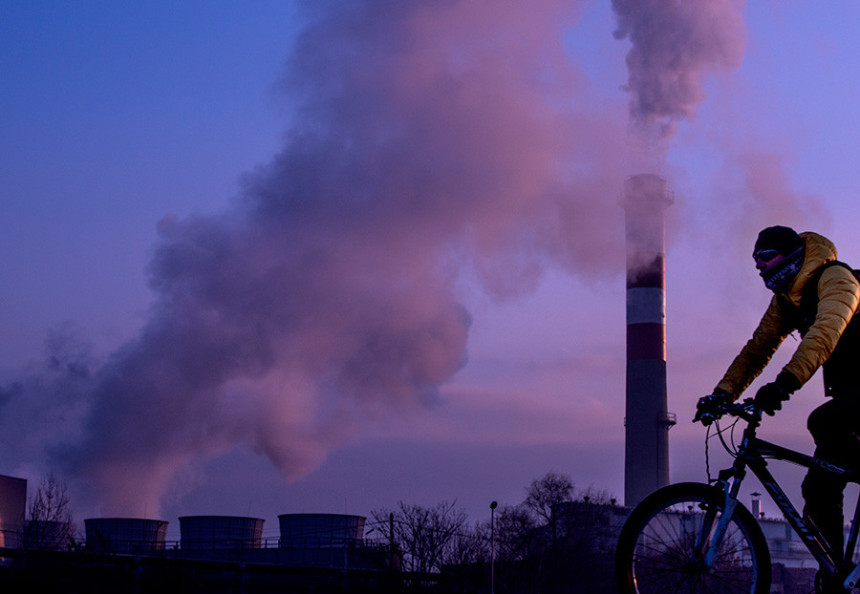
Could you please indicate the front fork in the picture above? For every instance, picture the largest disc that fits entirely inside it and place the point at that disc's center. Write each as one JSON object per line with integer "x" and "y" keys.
{"x": 730, "y": 489}
{"x": 720, "y": 531}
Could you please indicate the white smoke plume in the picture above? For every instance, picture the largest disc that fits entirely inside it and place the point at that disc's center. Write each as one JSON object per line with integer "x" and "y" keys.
{"x": 675, "y": 44}
{"x": 427, "y": 138}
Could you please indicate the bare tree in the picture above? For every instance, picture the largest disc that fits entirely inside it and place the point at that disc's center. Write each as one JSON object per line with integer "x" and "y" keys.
{"x": 469, "y": 546}
{"x": 515, "y": 533}
{"x": 424, "y": 535}
{"x": 50, "y": 520}
{"x": 544, "y": 494}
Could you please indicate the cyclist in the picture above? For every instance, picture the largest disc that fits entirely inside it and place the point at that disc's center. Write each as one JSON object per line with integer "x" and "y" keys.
{"x": 816, "y": 295}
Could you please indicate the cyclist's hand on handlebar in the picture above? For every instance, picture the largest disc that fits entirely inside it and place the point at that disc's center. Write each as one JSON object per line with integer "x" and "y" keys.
{"x": 770, "y": 397}
{"x": 708, "y": 409}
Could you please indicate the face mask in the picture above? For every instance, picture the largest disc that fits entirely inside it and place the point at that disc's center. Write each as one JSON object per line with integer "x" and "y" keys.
{"x": 778, "y": 271}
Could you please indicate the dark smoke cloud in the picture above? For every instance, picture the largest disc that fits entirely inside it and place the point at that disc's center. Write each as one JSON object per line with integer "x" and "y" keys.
{"x": 675, "y": 43}
{"x": 428, "y": 138}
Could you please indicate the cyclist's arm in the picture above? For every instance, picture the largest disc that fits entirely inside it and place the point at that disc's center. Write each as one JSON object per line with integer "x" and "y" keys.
{"x": 757, "y": 352}
{"x": 838, "y": 299}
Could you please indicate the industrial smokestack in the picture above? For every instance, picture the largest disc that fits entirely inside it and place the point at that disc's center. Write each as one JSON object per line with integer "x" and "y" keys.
{"x": 647, "y": 421}
{"x": 756, "y": 505}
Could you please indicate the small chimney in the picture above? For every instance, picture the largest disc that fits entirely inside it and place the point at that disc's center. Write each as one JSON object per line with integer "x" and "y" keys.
{"x": 756, "y": 505}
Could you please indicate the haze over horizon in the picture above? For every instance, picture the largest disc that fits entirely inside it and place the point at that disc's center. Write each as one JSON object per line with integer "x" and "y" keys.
{"x": 331, "y": 256}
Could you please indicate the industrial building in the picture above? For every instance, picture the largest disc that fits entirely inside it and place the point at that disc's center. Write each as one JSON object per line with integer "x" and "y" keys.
{"x": 313, "y": 553}
{"x": 125, "y": 535}
{"x": 13, "y": 503}
{"x": 204, "y": 533}
{"x": 306, "y": 540}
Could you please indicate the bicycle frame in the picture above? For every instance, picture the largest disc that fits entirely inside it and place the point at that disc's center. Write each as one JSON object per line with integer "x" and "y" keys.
{"x": 753, "y": 453}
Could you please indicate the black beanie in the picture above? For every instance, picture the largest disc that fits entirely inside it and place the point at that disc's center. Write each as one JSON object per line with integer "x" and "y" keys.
{"x": 785, "y": 240}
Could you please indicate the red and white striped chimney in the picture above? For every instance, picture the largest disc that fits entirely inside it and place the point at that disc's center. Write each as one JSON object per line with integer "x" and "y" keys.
{"x": 647, "y": 421}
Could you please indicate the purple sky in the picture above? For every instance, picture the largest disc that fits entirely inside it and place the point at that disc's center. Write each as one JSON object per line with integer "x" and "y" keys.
{"x": 325, "y": 260}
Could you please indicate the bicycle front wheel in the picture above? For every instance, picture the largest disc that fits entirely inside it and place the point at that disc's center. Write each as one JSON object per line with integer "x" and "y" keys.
{"x": 663, "y": 544}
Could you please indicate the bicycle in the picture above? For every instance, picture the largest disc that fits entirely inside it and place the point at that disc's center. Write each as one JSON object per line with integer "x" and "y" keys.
{"x": 697, "y": 537}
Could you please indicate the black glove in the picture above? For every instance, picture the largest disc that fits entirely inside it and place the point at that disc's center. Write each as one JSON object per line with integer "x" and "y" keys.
{"x": 770, "y": 397}
{"x": 708, "y": 407}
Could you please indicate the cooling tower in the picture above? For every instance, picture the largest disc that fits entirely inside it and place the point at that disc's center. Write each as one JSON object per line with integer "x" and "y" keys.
{"x": 320, "y": 530}
{"x": 125, "y": 535}
{"x": 220, "y": 532}
{"x": 647, "y": 421}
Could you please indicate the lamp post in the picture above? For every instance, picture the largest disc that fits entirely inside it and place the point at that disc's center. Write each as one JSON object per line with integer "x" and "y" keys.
{"x": 493, "y": 506}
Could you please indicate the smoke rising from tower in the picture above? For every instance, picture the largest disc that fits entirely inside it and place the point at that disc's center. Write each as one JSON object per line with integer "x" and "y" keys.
{"x": 674, "y": 44}
{"x": 428, "y": 139}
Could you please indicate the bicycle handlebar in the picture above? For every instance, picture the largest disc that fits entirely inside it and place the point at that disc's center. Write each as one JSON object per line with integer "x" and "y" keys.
{"x": 747, "y": 410}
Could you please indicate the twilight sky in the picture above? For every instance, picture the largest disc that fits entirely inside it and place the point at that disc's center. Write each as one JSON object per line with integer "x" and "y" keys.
{"x": 328, "y": 256}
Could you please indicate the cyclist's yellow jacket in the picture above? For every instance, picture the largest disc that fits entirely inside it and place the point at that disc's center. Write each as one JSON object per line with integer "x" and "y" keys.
{"x": 838, "y": 300}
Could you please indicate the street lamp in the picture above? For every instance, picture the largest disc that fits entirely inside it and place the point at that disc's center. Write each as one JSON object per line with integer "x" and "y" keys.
{"x": 493, "y": 507}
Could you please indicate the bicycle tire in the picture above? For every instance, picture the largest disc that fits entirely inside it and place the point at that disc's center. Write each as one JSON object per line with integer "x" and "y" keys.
{"x": 657, "y": 553}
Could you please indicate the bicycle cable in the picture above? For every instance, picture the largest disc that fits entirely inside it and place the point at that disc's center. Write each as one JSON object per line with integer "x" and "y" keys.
{"x": 731, "y": 449}
{"x": 707, "y": 453}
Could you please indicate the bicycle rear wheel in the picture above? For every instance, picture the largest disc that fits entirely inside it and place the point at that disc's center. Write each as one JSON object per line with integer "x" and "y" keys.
{"x": 663, "y": 542}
